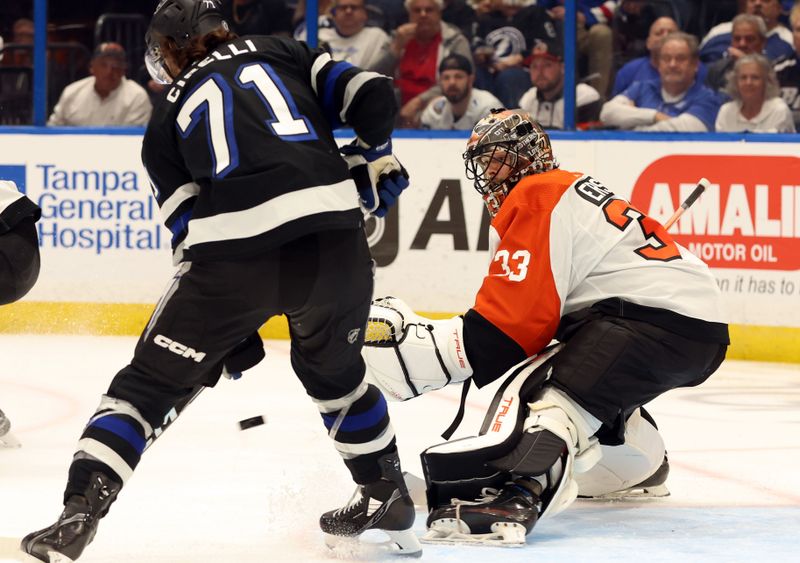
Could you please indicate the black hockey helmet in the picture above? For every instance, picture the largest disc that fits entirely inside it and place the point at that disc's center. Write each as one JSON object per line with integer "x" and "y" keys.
{"x": 181, "y": 21}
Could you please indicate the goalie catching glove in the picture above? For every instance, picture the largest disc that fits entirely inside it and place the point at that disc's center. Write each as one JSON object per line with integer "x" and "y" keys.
{"x": 408, "y": 355}
{"x": 378, "y": 175}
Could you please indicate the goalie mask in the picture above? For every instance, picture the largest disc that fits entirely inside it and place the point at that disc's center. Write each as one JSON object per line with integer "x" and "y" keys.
{"x": 504, "y": 147}
{"x": 181, "y": 21}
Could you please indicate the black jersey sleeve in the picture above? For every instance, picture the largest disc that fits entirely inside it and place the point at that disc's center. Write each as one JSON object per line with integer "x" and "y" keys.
{"x": 362, "y": 99}
{"x": 170, "y": 181}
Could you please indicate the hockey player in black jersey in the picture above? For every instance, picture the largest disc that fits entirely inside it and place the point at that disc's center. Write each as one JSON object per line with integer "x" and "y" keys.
{"x": 266, "y": 218}
{"x": 19, "y": 261}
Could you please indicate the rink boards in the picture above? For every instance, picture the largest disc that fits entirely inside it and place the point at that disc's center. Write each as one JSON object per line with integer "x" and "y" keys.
{"x": 106, "y": 258}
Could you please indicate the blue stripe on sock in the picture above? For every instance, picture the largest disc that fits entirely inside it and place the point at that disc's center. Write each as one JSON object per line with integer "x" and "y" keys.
{"x": 355, "y": 422}
{"x": 122, "y": 429}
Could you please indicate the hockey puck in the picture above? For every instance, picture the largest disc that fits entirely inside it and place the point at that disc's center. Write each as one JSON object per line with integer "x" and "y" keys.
{"x": 251, "y": 422}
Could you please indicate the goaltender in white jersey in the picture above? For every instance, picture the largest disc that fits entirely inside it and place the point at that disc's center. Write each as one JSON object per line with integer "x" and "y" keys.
{"x": 634, "y": 313}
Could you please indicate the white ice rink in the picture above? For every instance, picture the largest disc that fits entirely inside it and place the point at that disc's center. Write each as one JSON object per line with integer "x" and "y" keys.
{"x": 209, "y": 492}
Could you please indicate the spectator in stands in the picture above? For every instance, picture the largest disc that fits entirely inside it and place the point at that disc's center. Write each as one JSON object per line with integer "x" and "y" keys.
{"x": 21, "y": 34}
{"x": 545, "y": 101}
{"x": 393, "y": 13}
{"x": 748, "y": 36}
{"x": 595, "y": 39}
{"x": 350, "y": 40}
{"x": 258, "y": 17}
{"x": 677, "y": 101}
{"x": 788, "y": 69}
{"x": 756, "y": 105}
{"x": 779, "y": 38}
{"x": 106, "y": 97}
{"x": 644, "y": 68}
{"x": 631, "y": 26}
{"x": 417, "y": 49}
{"x": 461, "y": 15}
{"x": 324, "y": 19}
{"x": 503, "y": 38}
{"x": 461, "y": 106}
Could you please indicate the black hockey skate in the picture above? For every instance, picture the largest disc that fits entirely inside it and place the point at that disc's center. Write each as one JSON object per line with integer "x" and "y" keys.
{"x": 500, "y": 517}
{"x": 382, "y": 505}
{"x": 64, "y": 541}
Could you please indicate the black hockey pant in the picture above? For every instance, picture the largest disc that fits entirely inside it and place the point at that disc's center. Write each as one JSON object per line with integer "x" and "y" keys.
{"x": 321, "y": 282}
{"x": 612, "y": 365}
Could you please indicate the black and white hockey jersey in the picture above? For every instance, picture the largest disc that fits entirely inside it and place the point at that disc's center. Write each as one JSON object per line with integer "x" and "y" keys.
{"x": 14, "y": 207}
{"x": 788, "y": 71}
{"x": 240, "y": 151}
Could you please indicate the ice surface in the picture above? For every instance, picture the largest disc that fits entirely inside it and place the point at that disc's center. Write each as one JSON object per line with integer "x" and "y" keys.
{"x": 207, "y": 491}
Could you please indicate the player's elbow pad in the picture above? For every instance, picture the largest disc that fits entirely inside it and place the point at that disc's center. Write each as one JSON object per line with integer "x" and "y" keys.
{"x": 408, "y": 355}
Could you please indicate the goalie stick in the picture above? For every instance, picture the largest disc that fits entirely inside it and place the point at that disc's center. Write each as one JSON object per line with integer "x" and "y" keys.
{"x": 688, "y": 202}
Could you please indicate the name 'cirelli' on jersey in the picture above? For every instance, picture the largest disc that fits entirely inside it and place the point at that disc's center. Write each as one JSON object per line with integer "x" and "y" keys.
{"x": 239, "y": 164}
{"x": 562, "y": 242}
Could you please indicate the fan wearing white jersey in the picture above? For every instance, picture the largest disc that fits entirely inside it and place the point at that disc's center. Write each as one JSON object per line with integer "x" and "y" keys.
{"x": 635, "y": 313}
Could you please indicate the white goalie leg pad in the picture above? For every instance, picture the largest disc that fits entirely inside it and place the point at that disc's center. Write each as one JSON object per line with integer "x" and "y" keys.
{"x": 408, "y": 355}
{"x": 624, "y": 466}
{"x": 556, "y": 412}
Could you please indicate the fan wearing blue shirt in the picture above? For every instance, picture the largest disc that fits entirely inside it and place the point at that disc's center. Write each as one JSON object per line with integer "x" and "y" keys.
{"x": 676, "y": 101}
{"x": 779, "y": 39}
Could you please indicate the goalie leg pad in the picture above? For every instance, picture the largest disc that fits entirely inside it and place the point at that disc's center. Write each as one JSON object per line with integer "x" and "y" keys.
{"x": 459, "y": 468}
{"x": 622, "y": 467}
{"x": 558, "y": 418}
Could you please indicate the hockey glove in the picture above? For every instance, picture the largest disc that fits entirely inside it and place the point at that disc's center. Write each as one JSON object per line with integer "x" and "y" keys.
{"x": 408, "y": 355}
{"x": 244, "y": 355}
{"x": 378, "y": 175}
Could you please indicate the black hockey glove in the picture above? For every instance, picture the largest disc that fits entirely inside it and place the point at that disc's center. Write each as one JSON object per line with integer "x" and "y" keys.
{"x": 244, "y": 355}
{"x": 378, "y": 175}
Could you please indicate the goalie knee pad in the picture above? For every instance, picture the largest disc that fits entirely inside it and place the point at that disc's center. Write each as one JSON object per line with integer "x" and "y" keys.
{"x": 461, "y": 468}
{"x": 624, "y": 466}
{"x": 408, "y": 355}
{"x": 556, "y": 445}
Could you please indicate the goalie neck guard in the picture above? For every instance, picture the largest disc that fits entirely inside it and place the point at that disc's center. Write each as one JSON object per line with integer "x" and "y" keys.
{"x": 504, "y": 147}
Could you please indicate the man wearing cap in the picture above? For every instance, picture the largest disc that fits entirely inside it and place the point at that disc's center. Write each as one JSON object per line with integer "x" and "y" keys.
{"x": 461, "y": 106}
{"x": 106, "y": 97}
{"x": 545, "y": 101}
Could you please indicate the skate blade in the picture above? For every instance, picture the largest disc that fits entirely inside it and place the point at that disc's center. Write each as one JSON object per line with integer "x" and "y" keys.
{"x": 456, "y": 532}
{"x": 373, "y": 544}
{"x": 9, "y": 441}
{"x": 635, "y": 493}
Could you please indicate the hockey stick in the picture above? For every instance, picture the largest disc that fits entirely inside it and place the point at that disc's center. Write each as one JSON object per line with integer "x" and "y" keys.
{"x": 701, "y": 187}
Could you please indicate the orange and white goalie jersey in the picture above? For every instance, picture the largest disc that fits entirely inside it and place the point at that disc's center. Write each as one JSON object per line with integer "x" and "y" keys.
{"x": 562, "y": 242}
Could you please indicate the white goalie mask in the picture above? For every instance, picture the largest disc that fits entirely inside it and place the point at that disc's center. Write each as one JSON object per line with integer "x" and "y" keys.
{"x": 504, "y": 147}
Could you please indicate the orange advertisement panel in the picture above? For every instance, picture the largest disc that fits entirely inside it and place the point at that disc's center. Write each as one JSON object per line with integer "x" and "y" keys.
{"x": 748, "y": 218}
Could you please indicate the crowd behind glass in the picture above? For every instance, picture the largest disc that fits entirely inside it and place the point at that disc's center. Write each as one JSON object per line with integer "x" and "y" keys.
{"x": 647, "y": 65}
